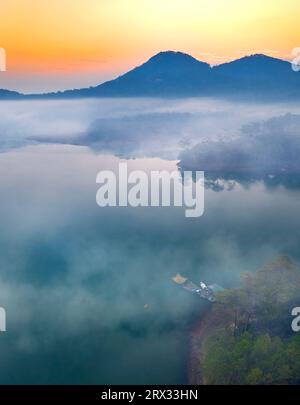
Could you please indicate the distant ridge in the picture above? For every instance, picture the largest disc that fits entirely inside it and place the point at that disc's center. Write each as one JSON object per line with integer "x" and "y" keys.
{"x": 8, "y": 94}
{"x": 177, "y": 74}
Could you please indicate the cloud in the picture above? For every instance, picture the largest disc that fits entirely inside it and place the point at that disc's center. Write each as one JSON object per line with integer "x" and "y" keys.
{"x": 264, "y": 149}
{"x": 138, "y": 134}
{"x": 76, "y": 278}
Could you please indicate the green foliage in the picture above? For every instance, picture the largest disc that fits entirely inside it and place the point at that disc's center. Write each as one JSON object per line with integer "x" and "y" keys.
{"x": 252, "y": 342}
{"x": 250, "y": 359}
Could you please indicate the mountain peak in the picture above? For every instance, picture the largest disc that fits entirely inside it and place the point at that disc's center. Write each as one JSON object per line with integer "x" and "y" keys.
{"x": 259, "y": 58}
{"x": 177, "y": 74}
{"x": 171, "y": 54}
{"x": 174, "y": 57}
{"x": 258, "y": 67}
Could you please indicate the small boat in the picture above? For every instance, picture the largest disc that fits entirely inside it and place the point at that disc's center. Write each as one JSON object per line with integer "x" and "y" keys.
{"x": 206, "y": 292}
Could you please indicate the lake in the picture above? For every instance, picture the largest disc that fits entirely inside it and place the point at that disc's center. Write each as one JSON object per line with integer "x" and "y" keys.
{"x": 88, "y": 291}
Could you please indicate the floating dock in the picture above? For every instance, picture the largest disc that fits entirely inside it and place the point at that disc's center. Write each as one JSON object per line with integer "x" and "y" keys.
{"x": 206, "y": 292}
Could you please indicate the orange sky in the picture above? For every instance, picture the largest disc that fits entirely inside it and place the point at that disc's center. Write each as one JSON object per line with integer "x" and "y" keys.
{"x": 55, "y": 44}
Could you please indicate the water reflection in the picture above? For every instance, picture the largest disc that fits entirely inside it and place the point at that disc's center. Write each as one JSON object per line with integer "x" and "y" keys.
{"x": 88, "y": 291}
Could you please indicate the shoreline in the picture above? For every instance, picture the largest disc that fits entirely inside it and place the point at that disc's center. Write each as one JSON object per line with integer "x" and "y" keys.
{"x": 197, "y": 335}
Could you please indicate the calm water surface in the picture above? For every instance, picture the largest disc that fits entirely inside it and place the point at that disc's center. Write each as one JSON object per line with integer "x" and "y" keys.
{"x": 88, "y": 290}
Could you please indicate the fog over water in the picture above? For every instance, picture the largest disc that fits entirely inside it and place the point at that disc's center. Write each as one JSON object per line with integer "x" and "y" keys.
{"x": 88, "y": 290}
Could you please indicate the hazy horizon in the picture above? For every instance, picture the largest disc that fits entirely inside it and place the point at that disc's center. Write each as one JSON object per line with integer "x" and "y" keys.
{"x": 88, "y": 78}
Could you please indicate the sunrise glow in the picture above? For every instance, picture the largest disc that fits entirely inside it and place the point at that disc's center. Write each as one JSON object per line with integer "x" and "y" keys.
{"x": 102, "y": 38}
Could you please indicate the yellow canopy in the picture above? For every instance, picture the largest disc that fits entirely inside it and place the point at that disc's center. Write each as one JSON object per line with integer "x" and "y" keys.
{"x": 178, "y": 279}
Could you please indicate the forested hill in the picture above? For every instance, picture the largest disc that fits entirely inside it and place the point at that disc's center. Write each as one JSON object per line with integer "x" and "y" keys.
{"x": 247, "y": 337}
